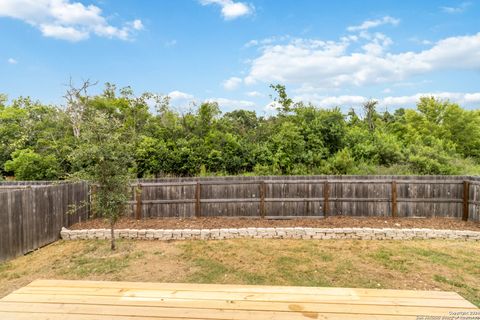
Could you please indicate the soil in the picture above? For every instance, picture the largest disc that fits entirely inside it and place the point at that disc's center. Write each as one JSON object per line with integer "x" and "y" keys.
{"x": 329, "y": 222}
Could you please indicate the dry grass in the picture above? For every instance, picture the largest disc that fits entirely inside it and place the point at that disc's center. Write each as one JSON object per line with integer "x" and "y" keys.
{"x": 430, "y": 265}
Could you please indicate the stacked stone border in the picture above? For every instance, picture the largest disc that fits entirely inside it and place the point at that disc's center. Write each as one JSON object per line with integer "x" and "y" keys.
{"x": 272, "y": 233}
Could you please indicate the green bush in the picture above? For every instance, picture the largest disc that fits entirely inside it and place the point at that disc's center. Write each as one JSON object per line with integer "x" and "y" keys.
{"x": 26, "y": 164}
{"x": 342, "y": 162}
{"x": 434, "y": 159}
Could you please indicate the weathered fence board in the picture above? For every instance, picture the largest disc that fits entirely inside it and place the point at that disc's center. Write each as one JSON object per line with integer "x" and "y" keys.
{"x": 474, "y": 199}
{"x": 308, "y": 196}
{"x": 32, "y": 213}
{"x": 31, "y": 217}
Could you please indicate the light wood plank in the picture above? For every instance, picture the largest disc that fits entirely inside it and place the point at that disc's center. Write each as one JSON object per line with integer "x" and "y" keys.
{"x": 335, "y": 291}
{"x": 21, "y": 315}
{"x": 145, "y": 311}
{"x": 53, "y": 316}
{"x": 330, "y": 307}
{"x": 62, "y": 299}
{"x": 263, "y": 297}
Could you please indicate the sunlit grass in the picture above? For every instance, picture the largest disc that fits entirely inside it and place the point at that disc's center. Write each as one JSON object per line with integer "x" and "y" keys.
{"x": 425, "y": 265}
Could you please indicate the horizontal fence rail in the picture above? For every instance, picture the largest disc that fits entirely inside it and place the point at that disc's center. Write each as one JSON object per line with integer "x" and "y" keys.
{"x": 32, "y": 215}
{"x": 307, "y": 197}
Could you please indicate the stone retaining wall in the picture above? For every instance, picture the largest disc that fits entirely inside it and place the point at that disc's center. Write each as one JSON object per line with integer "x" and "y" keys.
{"x": 272, "y": 233}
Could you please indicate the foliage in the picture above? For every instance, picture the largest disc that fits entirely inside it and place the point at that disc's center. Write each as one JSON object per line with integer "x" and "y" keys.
{"x": 103, "y": 157}
{"x": 342, "y": 162}
{"x": 47, "y": 142}
{"x": 284, "y": 103}
{"x": 29, "y": 165}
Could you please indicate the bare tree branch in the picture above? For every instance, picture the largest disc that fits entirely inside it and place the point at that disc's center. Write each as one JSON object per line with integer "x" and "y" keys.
{"x": 77, "y": 99}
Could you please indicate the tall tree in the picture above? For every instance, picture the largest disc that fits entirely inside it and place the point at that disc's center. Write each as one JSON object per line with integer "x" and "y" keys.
{"x": 77, "y": 101}
{"x": 285, "y": 103}
{"x": 370, "y": 111}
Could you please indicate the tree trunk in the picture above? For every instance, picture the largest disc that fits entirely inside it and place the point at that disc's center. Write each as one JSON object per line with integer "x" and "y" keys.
{"x": 112, "y": 235}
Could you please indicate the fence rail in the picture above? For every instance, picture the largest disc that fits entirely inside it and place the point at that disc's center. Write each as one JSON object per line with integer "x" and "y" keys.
{"x": 314, "y": 197}
{"x": 31, "y": 216}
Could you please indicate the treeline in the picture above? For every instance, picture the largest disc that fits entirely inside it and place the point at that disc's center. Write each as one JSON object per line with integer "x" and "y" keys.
{"x": 43, "y": 141}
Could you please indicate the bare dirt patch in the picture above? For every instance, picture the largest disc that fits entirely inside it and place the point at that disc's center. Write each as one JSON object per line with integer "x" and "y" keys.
{"x": 329, "y": 222}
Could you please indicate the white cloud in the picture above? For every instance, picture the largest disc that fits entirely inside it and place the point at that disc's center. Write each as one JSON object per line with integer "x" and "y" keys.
{"x": 231, "y": 9}
{"x": 254, "y": 94}
{"x": 459, "y": 9}
{"x": 387, "y": 90}
{"x": 232, "y": 104}
{"x": 331, "y": 101}
{"x": 473, "y": 98}
{"x": 266, "y": 41}
{"x": 232, "y": 83}
{"x": 464, "y": 99}
{"x": 137, "y": 24}
{"x": 368, "y": 24}
{"x": 403, "y": 101}
{"x": 377, "y": 45}
{"x": 272, "y": 106}
{"x": 63, "y": 33}
{"x": 170, "y": 43}
{"x": 251, "y": 43}
{"x": 423, "y": 42}
{"x": 406, "y": 84}
{"x": 183, "y": 101}
{"x": 66, "y": 20}
{"x": 329, "y": 64}
{"x": 12, "y": 61}
{"x": 179, "y": 95}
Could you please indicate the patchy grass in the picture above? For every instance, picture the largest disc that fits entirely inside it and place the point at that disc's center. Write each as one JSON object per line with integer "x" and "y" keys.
{"x": 426, "y": 265}
{"x": 392, "y": 260}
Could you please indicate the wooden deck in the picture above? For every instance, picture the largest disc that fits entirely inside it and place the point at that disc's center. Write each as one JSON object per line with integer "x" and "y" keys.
{"x": 92, "y": 300}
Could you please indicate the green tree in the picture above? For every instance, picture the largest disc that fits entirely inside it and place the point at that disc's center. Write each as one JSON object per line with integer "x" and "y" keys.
{"x": 342, "y": 162}
{"x": 371, "y": 115}
{"x": 152, "y": 157}
{"x": 26, "y": 164}
{"x": 285, "y": 104}
{"x": 12, "y": 134}
{"x": 288, "y": 147}
{"x": 435, "y": 137}
{"x": 103, "y": 158}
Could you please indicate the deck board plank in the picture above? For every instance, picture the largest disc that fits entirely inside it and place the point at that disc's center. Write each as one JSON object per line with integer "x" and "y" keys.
{"x": 67, "y": 299}
{"x": 243, "y": 288}
{"x": 239, "y": 305}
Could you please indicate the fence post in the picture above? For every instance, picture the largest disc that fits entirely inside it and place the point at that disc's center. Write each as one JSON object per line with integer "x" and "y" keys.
{"x": 93, "y": 192}
{"x": 88, "y": 203}
{"x": 394, "y": 199}
{"x": 326, "y": 195}
{"x": 138, "y": 196}
{"x": 466, "y": 195}
{"x": 262, "y": 198}
{"x": 198, "y": 208}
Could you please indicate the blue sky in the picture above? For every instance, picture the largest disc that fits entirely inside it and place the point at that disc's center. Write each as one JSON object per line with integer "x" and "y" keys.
{"x": 329, "y": 53}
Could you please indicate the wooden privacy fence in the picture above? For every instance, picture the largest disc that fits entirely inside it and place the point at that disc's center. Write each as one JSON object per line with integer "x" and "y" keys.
{"x": 308, "y": 197}
{"x": 32, "y": 214}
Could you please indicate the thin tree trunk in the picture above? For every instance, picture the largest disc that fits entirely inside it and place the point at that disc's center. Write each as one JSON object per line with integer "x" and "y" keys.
{"x": 112, "y": 234}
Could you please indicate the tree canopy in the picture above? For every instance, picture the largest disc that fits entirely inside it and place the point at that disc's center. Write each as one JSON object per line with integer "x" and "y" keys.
{"x": 47, "y": 142}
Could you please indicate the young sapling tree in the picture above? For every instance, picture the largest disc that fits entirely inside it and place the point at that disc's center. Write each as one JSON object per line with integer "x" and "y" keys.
{"x": 103, "y": 158}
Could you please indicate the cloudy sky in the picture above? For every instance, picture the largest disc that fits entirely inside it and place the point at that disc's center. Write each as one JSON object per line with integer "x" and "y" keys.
{"x": 326, "y": 52}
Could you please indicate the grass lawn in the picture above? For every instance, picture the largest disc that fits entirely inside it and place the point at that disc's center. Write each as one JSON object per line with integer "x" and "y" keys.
{"x": 422, "y": 264}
